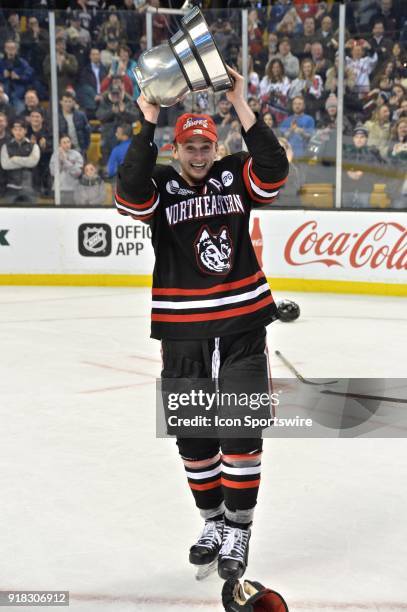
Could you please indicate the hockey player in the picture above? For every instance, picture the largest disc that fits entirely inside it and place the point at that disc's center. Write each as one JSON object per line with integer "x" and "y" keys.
{"x": 211, "y": 301}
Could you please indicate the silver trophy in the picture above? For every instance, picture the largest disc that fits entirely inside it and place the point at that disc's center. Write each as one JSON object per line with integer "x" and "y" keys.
{"x": 189, "y": 61}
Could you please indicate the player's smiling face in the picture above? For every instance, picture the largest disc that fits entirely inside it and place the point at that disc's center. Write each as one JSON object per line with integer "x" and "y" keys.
{"x": 196, "y": 156}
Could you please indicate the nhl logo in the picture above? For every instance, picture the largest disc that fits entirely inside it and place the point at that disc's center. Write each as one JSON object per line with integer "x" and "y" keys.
{"x": 95, "y": 240}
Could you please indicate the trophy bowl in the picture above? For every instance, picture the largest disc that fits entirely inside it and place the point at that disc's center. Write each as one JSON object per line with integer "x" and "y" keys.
{"x": 190, "y": 61}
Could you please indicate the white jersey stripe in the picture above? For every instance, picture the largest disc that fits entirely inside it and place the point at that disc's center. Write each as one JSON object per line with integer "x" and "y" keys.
{"x": 231, "y": 299}
{"x": 260, "y": 192}
{"x": 135, "y": 212}
{"x": 235, "y": 471}
{"x": 203, "y": 475}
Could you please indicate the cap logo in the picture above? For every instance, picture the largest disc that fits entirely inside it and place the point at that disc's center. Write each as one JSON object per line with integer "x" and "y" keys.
{"x": 190, "y": 122}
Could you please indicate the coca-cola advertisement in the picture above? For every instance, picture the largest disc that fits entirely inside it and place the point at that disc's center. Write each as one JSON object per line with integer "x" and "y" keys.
{"x": 343, "y": 246}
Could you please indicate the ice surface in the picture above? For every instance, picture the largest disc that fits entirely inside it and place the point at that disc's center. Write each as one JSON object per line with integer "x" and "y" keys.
{"x": 93, "y": 503}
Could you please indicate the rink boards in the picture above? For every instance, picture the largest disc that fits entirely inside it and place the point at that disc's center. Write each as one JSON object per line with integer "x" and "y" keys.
{"x": 301, "y": 250}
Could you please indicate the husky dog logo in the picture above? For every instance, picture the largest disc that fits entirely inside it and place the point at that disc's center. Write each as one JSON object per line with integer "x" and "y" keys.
{"x": 214, "y": 251}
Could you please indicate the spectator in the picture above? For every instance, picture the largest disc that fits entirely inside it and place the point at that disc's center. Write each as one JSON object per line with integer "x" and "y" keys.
{"x": 134, "y": 22}
{"x": 397, "y": 151}
{"x": 397, "y": 157}
{"x": 290, "y": 25}
{"x": 89, "y": 83}
{"x": 289, "y": 61}
{"x": 224, "y": 114}
{"x": 39, "y": 133}
{"x": 306, "y": 9}
{"x": 326, "y": 37}
{"x": 298, "y": 127}
{"x": 322, "y": 64}
{"x": 111, "y": 29}
{"x": 11, "y": 30}
{"x": 399, "y": 58}
{"x": 141, "y": 47}
{"x": 76, "y": 33}
{"x": 310, "y": 86}
{"x": 70, "y": 168}
{"x": 74, "y": 123}
{"x": 289, "y": 194}
{"x": 5, "y": 107}
{"x": 123, "y": 135}
{"x": 323, "y": 144}
{"x": 91, "y": 190}
{"x": 255, "y": 33}
{"x": 254, "y": 104}
{"x": 223, "y": 35}
{"x": 110, "y": 55}
{"x": 278, "y": 10}
{"x": 329, "y": 117}
{"x": 116, "y": 108}
{"x": 18, "y": 158}
{"x": 67, "y": 65}
{"x": 128, "y": 66}
{"x": 234, "y": 138}
{"x": 301, "y": 45}
{"x": 223, "y": 150}
{"x": 274, "y": 88}
{"x": 379, "y": 44}
{"x": 386, "y": 13}
{"x": 15, "y": 74}
{"x": 78, "y": 39}
{"x": 34, "y": 48}
{"x": 361, "y": 162}
{"x": 160, "y": 25}
{"x": 397, "y": 95}
{"x": 361, "y": 65}
{"x": 31, "y": 102}
{"x": 4, "y": 136}
{"x": 118, "y": 79}
{"x": 379, "y": 130}
{"x": 354, "y": 107}
{"x": 268, "y": 119}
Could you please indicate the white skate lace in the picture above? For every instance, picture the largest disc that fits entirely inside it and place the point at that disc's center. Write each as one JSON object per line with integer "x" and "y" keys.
{"x": 212, "y": 535}
{"x": 234, "y": 543}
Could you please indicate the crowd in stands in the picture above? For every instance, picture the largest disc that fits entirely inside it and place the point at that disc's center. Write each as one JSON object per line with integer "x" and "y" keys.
{"x": 293, "y": 85}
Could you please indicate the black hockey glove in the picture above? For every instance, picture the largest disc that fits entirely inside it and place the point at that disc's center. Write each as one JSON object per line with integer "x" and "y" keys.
{"x": 260, "y": 598}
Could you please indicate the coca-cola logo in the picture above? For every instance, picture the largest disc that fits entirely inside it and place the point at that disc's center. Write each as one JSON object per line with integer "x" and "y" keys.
{"x": 381, "y": 244}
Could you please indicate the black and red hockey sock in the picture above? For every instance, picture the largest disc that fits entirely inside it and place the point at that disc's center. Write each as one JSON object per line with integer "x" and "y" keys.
{"x": 240, "y": 484}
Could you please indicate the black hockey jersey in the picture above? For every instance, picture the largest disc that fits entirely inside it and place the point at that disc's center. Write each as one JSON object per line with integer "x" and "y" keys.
{"x": 206, "y": 279}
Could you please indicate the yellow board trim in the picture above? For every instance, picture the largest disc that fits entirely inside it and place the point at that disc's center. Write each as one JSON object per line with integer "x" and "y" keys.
{"x": 144, "y": 280}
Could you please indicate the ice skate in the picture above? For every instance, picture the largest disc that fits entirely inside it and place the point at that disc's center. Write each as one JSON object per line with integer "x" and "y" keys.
{"x": 234, "y": 552}
{"x": 204, "y": 553}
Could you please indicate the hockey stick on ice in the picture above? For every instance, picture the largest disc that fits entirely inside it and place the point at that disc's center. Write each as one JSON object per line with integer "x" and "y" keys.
{"x": 298, "y": 375}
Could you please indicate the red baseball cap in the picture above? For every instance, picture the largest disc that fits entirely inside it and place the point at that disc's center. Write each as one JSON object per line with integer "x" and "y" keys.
{"x": 191, "y": 124}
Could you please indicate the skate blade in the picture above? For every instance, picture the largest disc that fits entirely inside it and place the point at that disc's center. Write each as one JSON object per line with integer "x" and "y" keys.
{"x": 203, "y": 571}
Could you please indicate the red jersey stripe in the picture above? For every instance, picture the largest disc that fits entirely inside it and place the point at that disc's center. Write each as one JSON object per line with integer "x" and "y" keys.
{"x": 232, "y": 484}
{"x": 210, "y": 316}
{"x": 260, "y": 183}
{"x": 210, "y": 290}
{"x": 137, "y": 206}
{"x": 254, "y": 196}
{"x": 207, "y": 486}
